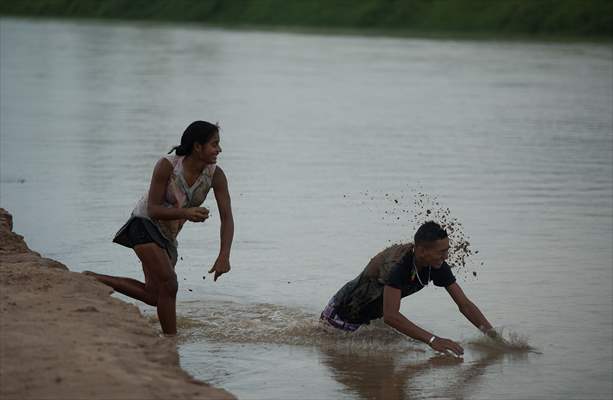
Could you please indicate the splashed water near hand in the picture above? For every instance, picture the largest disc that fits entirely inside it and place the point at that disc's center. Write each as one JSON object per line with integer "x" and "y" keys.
{"x": 504, "y": 340}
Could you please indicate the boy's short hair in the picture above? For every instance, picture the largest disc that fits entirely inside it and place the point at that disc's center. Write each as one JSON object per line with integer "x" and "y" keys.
{"x": 429, "y": 232}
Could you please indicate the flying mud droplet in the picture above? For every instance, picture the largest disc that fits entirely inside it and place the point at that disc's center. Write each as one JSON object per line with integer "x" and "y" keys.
{"x": 425, "y": 207}
{"x": 428, "y": 208}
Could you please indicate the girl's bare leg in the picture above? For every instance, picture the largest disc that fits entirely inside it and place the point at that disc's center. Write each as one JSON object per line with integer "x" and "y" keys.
{"x": 162, "y": 282}
{"x": 160, "y": 287}
{"x": 128, "y": 286}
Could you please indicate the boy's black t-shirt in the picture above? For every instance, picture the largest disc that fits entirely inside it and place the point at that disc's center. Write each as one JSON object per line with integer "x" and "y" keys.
{"x": 402, "y": 276}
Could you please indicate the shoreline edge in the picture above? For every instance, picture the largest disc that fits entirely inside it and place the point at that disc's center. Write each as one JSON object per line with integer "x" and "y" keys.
{"x": 62, "y": 336}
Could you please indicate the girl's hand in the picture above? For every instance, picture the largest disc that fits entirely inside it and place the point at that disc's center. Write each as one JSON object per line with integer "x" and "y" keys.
{"x": 221, "y": 266}
{"x": 196, "y": 214}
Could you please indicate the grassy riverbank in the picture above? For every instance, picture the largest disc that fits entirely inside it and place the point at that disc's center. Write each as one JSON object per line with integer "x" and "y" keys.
{"x": 539, "y": 18}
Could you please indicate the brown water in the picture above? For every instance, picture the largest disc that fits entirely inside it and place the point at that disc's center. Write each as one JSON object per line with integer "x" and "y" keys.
{"x": 335, "y": 147}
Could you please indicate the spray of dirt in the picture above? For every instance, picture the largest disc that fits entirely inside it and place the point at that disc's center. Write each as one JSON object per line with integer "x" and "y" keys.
{"x": 428, "y": 208}
{"x": 412, "y": 210}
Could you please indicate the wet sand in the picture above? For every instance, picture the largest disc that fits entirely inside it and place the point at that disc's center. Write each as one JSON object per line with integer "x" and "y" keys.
{"x": 62, "y": 336}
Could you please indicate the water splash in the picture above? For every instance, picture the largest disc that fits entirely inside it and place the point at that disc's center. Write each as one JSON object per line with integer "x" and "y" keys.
{"x": 232, "y": 322}
{"x": 507, "y": 342}
{"x": 262, "y": 323}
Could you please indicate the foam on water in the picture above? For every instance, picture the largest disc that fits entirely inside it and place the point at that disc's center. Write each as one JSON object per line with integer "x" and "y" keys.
{"x": 232, "y": 322}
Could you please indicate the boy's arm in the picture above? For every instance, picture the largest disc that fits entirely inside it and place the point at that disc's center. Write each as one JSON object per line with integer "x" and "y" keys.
{"x": 393, "y": 318}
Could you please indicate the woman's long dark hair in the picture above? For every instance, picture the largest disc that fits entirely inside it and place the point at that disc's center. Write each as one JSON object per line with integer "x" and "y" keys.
{"x": 197, "y": 132}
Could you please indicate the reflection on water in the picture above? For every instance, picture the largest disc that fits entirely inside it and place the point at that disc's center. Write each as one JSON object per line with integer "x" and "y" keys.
{"x": 391, "y": 376}
{"x": 375, "y": 362}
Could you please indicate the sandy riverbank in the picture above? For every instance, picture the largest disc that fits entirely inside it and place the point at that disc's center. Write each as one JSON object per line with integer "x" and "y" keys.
{"x": 63, "y": 337}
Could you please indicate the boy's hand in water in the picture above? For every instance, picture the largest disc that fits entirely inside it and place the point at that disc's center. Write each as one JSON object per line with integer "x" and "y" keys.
{"x": 495, "y": 336}
{"x": 221, "y": 266}
{"x": 492, "y": 334}
{"x": 445, "y": 345}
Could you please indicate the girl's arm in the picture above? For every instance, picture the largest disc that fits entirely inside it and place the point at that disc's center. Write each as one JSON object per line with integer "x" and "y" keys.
{"x": 222, "y": 195}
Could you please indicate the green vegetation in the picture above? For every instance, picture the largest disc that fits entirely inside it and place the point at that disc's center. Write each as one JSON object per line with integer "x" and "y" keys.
{"x": 578, "y": 18}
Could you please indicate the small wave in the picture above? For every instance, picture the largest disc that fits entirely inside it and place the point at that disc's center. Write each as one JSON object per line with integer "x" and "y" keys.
{"x": 262, "y": 323}
{"x": 274, "y": 324}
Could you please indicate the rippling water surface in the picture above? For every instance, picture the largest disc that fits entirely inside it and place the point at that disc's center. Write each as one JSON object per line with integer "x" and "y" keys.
{"x": 335, "y": 147}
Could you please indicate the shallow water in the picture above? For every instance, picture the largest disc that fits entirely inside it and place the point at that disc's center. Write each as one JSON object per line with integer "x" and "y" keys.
{"x": 335, "y": 147}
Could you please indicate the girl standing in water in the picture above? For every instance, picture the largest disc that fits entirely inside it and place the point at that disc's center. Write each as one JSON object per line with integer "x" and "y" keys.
{"x": 179, "y": 185}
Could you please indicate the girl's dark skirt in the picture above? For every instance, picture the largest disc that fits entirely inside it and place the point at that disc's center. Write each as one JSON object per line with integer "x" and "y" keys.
{"x": 139, "y": 230}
